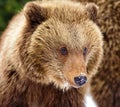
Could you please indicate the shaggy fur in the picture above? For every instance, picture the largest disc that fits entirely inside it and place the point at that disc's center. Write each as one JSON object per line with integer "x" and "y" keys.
{"x": 33, "y": 71}
{"x": 106, "y": 83}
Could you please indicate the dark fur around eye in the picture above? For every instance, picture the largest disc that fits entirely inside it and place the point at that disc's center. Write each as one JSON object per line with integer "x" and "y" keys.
{"x": 63, "y": 51}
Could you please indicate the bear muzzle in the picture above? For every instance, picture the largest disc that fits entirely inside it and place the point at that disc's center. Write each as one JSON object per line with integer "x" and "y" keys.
{"x": 80, "y": 80}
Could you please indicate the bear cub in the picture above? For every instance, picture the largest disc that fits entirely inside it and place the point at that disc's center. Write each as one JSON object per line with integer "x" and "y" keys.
{"x": 48, "y": 53}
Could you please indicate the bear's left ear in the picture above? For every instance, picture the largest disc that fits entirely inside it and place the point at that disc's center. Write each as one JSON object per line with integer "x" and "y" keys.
{"x": 92, "y": 10}
{"x": 34, "y": 13}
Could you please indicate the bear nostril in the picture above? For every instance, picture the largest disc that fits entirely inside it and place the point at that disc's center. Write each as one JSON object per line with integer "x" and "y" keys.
{"x": 80, "y": 80}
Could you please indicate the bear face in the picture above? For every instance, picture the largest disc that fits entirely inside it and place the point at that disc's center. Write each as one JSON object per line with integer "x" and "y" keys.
{"x": 48, "y": 48}
{"x": 60, "y": 43}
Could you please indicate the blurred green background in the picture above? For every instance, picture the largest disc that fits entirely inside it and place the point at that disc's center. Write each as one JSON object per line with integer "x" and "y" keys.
{"x": 8, "y": 8}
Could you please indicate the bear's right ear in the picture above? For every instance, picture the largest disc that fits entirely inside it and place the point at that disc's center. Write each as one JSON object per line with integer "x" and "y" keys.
{"x": 92, "y": 10}
{"x": 34, "y": 13}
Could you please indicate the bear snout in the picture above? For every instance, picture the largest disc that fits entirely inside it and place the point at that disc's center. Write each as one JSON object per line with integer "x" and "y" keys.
{"x": 80, "y": 80}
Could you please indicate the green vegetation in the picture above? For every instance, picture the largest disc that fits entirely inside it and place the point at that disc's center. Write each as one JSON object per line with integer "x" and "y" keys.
{"x": 8, "y": 8}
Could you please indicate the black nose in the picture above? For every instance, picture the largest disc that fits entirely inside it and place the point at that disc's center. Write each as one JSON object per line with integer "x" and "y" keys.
{"x": 80, "y": 80}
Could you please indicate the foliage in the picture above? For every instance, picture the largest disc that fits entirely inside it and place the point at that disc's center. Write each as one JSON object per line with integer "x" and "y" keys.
{"x": 8, "y": 9}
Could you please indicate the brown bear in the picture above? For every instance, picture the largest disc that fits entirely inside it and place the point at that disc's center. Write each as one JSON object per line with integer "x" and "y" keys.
{"x": 106, "y": 83}
{"x": 48, "y": 54}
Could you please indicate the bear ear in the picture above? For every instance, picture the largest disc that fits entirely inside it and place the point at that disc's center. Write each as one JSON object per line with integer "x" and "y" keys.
{"x": 92, "y": 10}
{"x": 34, "y": 13}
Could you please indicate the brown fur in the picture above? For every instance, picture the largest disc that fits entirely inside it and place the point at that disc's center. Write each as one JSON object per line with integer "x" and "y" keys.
{"x": 33, "y": 72}
{"x": 106, "y": 83}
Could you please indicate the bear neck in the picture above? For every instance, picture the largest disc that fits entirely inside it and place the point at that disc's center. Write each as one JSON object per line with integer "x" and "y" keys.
{"x": 30, "y": 94}
{"x": 49, "y": 96}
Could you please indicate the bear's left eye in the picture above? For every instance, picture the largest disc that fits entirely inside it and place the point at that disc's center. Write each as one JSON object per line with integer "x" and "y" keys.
{"x": 85, "y": 51}
{"x": 64, "y": 51}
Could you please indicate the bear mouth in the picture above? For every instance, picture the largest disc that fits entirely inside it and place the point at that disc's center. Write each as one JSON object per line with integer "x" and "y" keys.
{"x": 70, "y": 84}
{"x": 66, "y": 83}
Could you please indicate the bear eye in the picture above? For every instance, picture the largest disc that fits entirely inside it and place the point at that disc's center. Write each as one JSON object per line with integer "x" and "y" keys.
{"x": 64, "y": 51}
{"x": 84, "y": 51}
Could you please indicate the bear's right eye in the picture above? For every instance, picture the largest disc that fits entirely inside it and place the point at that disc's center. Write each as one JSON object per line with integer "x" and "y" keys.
{"x": 85, "y": 51}
{"x": 64, "y": 51}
